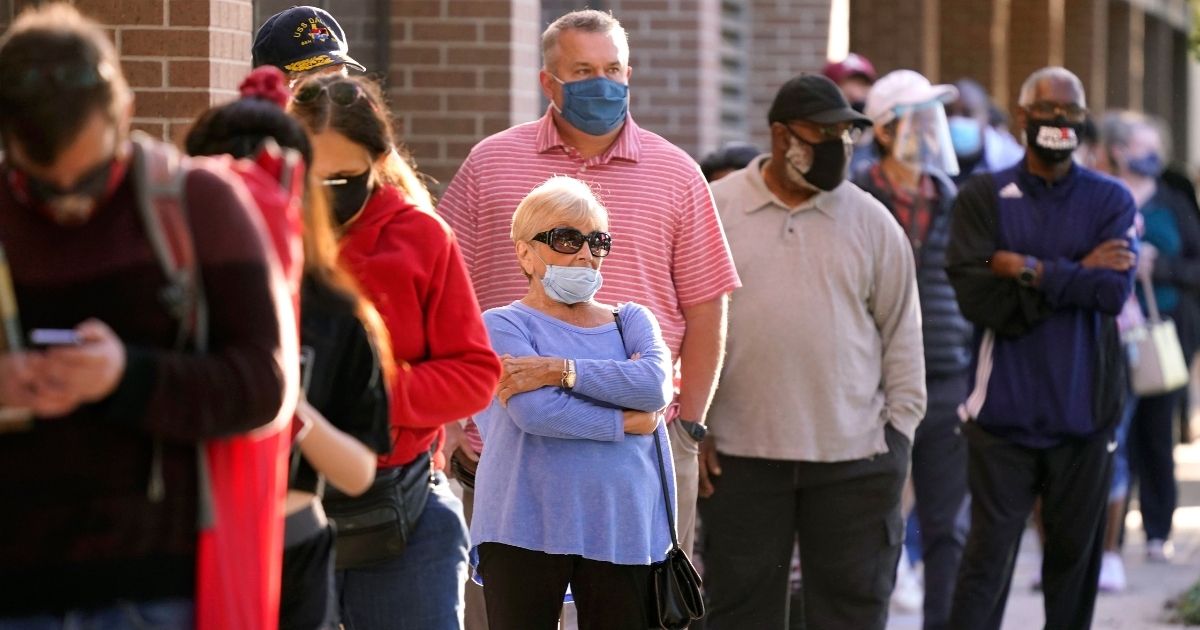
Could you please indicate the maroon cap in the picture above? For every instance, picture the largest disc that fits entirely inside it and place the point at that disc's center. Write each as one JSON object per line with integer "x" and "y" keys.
{"x": 852, "y": 65}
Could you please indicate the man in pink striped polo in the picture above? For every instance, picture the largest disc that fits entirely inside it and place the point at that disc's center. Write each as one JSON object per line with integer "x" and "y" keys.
{"x": 669, "y": 253}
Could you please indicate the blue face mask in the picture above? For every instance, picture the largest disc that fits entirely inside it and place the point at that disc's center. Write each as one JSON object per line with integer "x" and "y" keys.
{"x": 966, "y": 135}
{"x": 1149, "y": 165}
{"x": 570, "y": 285}
{"x": 594, "y": 106}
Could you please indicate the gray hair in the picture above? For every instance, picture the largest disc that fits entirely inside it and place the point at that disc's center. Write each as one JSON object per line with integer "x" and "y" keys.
{"x": 1049, "y": 73}
{"x": 1118, "y": 126}
{"x": 587, "y": 21}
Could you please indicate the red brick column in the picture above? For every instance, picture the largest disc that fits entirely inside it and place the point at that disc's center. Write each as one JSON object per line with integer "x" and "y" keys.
{"x": 674, "y": 52}
{"x": 461, "y": 70}
{"x": 786, "y": 38}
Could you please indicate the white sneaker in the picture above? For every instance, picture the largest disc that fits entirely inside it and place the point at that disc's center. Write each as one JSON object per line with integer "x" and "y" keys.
{"x": 908, "y": 596}
{"x": 1112, "y": 573}
{"x": 1159, "y": 550}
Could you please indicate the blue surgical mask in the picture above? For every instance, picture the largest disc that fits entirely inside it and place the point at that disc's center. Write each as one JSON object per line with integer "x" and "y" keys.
{"x": 570, "y": 285}
{"x": 1149, "y": 165}
{"x": 594, "y": 106}
{"x": 966, "y": 134}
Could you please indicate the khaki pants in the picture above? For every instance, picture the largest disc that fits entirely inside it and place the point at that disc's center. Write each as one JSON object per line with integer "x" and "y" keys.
{"x": 685, "y": 452}
{"x": 476, "y": 617}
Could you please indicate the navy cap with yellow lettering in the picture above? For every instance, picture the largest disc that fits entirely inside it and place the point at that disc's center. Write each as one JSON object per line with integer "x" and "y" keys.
{"x": 301, "y": 39}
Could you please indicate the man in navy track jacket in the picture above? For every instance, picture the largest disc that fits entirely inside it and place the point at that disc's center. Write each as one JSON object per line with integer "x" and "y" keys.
{"x": 1041, "y": 258}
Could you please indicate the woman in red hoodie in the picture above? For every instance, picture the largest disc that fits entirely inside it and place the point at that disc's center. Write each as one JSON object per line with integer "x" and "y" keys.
{"x": 406, "y": 569}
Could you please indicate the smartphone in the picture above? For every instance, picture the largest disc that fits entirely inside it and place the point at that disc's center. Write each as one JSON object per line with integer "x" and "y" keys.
{"x": 50, "y": 337}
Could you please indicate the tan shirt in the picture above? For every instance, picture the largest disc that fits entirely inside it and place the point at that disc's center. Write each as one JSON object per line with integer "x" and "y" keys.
{"x": 825, "y": 334}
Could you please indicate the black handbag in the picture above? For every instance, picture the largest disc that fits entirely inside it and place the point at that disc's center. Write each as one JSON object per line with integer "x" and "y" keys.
{"x": 374, "y": 527}
{"x": 675, "y": 600}
{"x": 675, "y": 597}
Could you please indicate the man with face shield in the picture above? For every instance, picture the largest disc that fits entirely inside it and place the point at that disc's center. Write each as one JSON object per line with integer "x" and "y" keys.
{"x": 1041, "y": 258}
{"x": 912, "y": 181}
{"x": 823, "y": 384}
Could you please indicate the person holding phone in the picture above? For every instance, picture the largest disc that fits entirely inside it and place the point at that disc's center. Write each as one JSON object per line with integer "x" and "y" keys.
{"x": 102, "y": 495}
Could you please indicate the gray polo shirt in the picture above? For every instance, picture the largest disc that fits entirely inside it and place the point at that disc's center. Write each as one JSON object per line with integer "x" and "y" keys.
{"x": 825, "y": 334}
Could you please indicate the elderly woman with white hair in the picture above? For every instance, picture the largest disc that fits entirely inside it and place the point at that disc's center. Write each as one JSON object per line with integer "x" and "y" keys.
{"x": 568, "y": 490}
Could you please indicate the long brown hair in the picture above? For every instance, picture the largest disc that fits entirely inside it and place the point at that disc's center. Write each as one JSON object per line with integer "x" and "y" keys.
{"x": 366, "y": 122}
{"x": 238, "y": 128}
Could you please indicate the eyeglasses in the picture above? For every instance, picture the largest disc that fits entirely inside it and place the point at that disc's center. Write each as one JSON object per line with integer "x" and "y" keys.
{"x": 570, "y": 241}
{"x": 845, "y": 132}
{"x": 1050, "y": 109}
{"x": 341, "y": 93}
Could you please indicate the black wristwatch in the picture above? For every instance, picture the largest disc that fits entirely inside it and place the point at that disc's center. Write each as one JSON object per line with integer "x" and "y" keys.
{"x": 1028, "y": 275}
{"x": 696, "y": 430}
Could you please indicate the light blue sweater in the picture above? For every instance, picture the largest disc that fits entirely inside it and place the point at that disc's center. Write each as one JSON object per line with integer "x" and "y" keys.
{"x": 558, "y": 473}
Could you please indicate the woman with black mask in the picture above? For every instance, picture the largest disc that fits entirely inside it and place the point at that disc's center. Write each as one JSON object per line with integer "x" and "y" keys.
{"x": 413, "y": 574}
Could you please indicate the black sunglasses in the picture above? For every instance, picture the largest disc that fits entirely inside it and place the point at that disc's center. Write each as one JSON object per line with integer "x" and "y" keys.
{"x": 570, "y": 241}
{"x": 342, "y": 93}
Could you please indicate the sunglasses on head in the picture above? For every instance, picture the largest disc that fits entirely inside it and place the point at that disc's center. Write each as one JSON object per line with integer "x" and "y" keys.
{"x": 70, "y": 76}
{"x": 342, "y": 93}
{"x": 570, "y": 241}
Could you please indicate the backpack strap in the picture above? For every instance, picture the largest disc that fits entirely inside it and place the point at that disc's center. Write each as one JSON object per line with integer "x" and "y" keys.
{"x": 160, "y": 174}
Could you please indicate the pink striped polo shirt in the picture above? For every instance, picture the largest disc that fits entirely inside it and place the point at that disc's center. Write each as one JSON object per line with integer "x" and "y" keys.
{"x": 669, "y": 250}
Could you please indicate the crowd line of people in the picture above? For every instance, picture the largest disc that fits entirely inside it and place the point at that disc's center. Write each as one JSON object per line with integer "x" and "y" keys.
{"x": 237, "y": 380}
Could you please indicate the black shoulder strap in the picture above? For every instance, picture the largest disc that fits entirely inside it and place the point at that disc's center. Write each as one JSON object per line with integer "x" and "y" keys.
{"x": 658, "y": 450}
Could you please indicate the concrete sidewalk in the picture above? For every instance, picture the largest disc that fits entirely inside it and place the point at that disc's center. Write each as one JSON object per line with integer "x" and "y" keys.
{"x": 1142, "y": 605}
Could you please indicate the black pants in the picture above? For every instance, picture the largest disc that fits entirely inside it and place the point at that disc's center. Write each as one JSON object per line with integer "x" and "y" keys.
{"x": 306, "y": 600}
{"x": 1152, "y": 461}
{"x": 523, "y": 590}
{"x": 846, "y": 516}
{"x": 939, "y": 472}
{"x": 1073, "y": 481}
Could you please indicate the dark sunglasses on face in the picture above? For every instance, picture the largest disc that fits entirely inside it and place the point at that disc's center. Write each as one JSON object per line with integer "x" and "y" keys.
{"x": 570, "y": 241}
{"x": 342, "y": 94}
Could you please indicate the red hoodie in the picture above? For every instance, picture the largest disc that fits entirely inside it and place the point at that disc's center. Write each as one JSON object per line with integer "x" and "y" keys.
{"x": 409, "y": 264}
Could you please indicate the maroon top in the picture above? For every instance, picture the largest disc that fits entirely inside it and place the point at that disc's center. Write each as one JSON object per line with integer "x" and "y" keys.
{"x": 78, "y": 528}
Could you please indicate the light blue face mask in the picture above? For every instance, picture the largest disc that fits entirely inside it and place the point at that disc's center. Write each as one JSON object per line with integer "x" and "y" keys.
{"x": 570, "y": 285}
{"x": 594, "y": 106}
{"x": 966, "y": 134}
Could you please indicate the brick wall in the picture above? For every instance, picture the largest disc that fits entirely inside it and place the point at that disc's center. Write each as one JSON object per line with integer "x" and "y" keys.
{"x": 179, "y": 56}
{"x": 674, "y": 55}
{"x": 461, "y": 70}
{"x": 787, "y": 37}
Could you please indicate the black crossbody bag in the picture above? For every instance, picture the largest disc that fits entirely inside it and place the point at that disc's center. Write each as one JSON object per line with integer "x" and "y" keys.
{"x": 675, "y": 600}
{"x": 374, "y": 527}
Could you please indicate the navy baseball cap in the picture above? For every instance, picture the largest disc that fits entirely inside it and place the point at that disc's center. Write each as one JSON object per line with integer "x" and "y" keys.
{"x": 301, "y": 39}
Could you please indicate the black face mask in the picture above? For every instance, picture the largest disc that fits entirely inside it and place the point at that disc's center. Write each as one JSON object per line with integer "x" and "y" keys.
{"x": 827, "y": 167}
{"x": 1054, "y": 141}
{"x": 348, "y": 195}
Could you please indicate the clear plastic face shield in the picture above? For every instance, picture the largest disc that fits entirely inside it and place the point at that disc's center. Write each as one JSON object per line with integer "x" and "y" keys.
{"x": 923, "y": 138}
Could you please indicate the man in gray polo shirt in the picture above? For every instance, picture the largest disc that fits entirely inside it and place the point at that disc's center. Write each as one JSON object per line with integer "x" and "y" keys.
{"x": 823, "y": 386}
